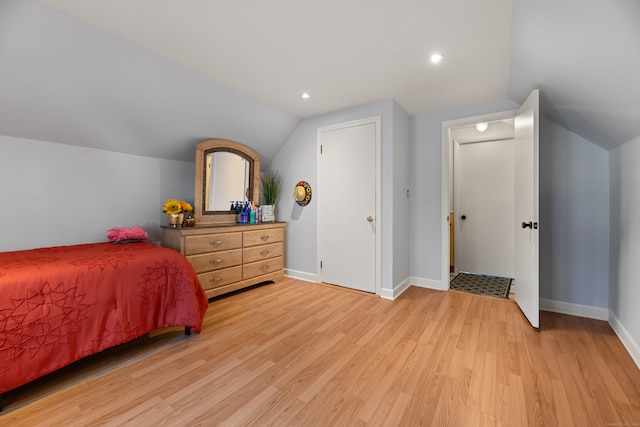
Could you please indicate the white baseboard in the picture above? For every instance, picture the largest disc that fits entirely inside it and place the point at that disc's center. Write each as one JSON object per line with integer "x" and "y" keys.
{"x": 627, "y": 340}
{"x": 397, "y": 290}
{"x": 574, "y": 309}
{"x": 429, "y": 284}
{"x": 394, "y": 293}
{"x": 301, "y": 275}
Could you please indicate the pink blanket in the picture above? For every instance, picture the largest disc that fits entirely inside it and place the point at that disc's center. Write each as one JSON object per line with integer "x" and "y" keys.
{"x": 119, "y": 234}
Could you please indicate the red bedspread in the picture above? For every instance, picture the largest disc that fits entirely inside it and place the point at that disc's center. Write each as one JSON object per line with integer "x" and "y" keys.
{"x": 60, "y": 304}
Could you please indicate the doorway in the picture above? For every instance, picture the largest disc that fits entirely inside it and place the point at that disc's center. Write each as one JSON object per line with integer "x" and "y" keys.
{"x": 482, "y": 217}
{"x": 465, "y": 134}
{"x": 526, "y": 201}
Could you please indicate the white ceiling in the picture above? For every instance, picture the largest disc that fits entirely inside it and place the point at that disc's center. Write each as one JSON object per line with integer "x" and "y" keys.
{"x": 344, "y": 53}
{"x": 582, "y": 54}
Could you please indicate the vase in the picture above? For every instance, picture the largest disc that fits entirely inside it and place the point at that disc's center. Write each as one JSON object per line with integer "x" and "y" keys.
{"x": 189, "y": 222}
{"x": 174, "y": 220}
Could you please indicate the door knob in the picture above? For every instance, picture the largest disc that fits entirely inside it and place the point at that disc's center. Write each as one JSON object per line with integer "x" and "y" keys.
{"x": 370, "y": 218}
{"x": 463, "y": 217}
{"x": 527, "y": 224}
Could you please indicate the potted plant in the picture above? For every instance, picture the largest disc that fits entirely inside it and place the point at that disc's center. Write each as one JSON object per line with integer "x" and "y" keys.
{"x": 270, "y": 185}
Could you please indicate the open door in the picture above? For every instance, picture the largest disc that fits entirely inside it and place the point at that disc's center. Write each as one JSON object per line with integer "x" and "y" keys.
{"x": 527, "y": 294}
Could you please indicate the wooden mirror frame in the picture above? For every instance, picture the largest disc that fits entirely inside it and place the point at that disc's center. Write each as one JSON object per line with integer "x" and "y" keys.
{"x": 203, "y": 149}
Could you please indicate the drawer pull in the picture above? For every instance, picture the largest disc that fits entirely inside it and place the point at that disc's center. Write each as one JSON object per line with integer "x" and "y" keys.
{"x": 215, "y": 279}
{"x": 215, "y": 242}
{"x": 264, "y": 268}
{"x": 264, "y": 252}
{"x": 264, "y": 237}
{"x": 215, "y": 261}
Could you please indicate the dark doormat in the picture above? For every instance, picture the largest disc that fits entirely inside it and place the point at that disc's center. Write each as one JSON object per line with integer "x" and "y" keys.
{"x": 481, "y": 284}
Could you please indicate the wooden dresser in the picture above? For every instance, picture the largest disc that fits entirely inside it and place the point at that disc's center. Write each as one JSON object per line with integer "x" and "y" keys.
{"x": 231, "y": 257}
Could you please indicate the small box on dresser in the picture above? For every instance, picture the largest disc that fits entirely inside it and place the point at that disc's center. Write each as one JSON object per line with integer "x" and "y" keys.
{"x": 231, "y": 257}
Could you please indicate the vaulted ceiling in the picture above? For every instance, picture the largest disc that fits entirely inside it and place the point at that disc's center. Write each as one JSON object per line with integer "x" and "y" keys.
{"x": 344, "y": 53}
{"x": 583, "y": 55}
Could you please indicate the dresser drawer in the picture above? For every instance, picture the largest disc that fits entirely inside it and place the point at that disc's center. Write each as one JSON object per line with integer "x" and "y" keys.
{"x": 257, "y": 253}
{"x": 261, "y": 237}
{"x": 229, "y": 257}
{"x": 212, "y": 242}
{"x": 215, "y": 260}
{"x": 217, "y": 278}
{"x": 262, "y": 267}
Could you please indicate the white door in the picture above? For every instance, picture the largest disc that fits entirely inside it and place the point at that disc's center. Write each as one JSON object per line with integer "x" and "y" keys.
{"x": 484, "y": 207}
{"x": 347, "y": 204}
{"x": 527, "y": 293}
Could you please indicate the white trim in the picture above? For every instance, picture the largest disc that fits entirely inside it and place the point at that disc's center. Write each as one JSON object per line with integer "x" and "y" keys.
{"x": 627, "y": 340}
{"x": 392, "y": 294}
{"x": 430, "y": 283}
{"x": 389, "y": 294}
{"x": 445, "y": 177}
{"x": 301, "y": 275}
{"x": 377, "y": 121}
{"x": 579, "y": 310}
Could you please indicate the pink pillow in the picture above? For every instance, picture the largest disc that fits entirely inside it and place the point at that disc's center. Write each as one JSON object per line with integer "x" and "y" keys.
{"x": 125, "y": 234}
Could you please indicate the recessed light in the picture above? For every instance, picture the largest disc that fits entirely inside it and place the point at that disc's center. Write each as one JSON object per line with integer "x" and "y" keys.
{"x": 482, "y": 126}
{"x": 305, "y": 95}
{"x": 436, "y": 57}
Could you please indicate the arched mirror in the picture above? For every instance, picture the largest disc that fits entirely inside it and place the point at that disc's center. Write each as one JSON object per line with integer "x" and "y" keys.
{"x": 226, "y": 171}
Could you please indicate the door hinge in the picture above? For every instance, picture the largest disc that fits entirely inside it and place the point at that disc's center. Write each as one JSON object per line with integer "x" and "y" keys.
{"x": 320, "y": 265}
{"x": 320, "y": 148}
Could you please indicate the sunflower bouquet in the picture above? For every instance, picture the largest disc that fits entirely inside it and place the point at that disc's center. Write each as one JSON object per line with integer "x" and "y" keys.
{"x": 172, "y": 207}
{"x": 187, "y": 209}
{"x": 176, "y": 210}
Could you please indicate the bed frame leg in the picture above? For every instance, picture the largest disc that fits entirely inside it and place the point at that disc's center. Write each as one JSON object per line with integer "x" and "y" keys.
{"x": 187, "y": 331}
{"x": 0, "y": 402}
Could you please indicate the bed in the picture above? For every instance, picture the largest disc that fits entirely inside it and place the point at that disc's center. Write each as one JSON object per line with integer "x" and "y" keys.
{"x": 60, "y": 304}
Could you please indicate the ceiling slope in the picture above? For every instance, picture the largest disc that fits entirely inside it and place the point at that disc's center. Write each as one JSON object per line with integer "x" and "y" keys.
{"x": 64, "y": 81}
{"x": 182, "y": 71}
{"x": 344, "y": 53}
{"x": 584, "y": 56}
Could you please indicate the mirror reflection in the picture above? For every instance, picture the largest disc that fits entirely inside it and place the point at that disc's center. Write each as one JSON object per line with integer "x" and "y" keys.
{"x": 227, "y": 180}
{"x": 225, "y": 170}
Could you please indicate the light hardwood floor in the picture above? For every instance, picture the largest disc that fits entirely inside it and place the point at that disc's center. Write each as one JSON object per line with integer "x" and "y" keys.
{"x": 297, "y": 353}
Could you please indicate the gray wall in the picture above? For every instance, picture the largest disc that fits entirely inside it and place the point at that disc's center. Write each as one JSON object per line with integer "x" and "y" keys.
{"x": 401, "y": 202}
{"x": 59, "y": 194}
{"x": 574, "y": 218}
{"x": 624, "y": 291}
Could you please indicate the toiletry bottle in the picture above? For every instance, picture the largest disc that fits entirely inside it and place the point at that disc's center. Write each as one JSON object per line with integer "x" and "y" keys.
{"x": 244, "y": 218}
{"x": 236, "y": 209}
